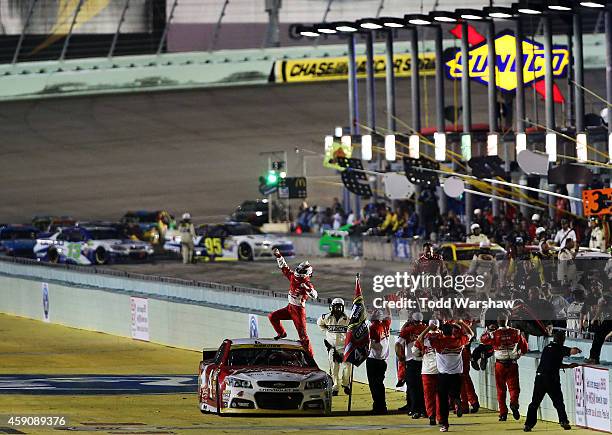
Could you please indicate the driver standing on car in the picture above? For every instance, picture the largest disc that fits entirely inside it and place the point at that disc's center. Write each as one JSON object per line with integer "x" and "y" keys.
{"x": 335, "y": 324}
{"x": 187, "y": 232}
{"x": 300, "y": 289}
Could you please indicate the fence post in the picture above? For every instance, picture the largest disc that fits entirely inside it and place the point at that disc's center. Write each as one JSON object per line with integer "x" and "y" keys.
{"x": 165, "y": 33}
{"x": 116, "y": 37}
{"x": 67, "y": 40}
{"x": 25, "y": 26}
{"x": 213, "y": 43}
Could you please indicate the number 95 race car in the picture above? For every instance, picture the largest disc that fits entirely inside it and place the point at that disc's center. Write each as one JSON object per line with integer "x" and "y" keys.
{"x": 253, "y": 375}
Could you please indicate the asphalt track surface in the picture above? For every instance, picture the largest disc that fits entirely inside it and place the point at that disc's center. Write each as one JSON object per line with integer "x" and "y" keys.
{"x": 333, "y": 277}
{"x": 31, "y": 347}
{"x": 97, "y": 157}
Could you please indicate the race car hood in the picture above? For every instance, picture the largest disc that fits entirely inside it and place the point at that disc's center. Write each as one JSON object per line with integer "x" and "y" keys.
{"x": 278, "y": 373}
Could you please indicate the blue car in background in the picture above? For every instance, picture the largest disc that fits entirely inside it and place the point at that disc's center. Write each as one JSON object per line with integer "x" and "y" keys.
{"x": 18, "y": 240}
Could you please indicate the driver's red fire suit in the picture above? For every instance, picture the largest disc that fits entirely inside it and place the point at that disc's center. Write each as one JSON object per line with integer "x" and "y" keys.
{"x": 300, "y": 289}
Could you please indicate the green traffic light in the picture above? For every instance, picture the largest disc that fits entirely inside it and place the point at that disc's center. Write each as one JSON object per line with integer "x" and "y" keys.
{"x": 272, "y": 178}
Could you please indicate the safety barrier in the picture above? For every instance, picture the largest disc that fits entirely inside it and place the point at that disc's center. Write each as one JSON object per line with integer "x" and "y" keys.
{"x": 27, "y": 80}
{"x": 108, "y": 303}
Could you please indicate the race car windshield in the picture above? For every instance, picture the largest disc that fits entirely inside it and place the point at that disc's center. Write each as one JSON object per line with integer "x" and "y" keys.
{"x": 105, "y": 234}
{"x": 242, "y": 230}
{"x": 270, "y": 358}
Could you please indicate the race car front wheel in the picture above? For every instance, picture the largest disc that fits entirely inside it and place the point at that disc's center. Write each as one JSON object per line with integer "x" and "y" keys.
{"x": 245, "y": 253}
{"x": 100, "y": 256}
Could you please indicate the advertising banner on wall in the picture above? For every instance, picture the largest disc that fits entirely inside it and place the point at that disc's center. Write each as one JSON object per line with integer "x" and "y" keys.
{"x": 45, "y": 301}
{"x": 592, "y": 398}
{"x": 336, "y": 68}
{"x": 140, "y": 318}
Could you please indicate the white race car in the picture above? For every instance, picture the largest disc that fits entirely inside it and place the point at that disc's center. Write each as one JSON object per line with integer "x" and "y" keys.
{"x": 262, "y": 376}
{"x": 87, "y": 245}
{"x": 232, "y": 241}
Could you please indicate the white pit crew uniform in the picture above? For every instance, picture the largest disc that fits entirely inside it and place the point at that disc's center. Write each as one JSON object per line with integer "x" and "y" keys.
{"x": 335, "y": 332}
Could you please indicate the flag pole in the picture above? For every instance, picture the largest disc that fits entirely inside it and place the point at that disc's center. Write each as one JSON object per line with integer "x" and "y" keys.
{"x": 350, "y": 389}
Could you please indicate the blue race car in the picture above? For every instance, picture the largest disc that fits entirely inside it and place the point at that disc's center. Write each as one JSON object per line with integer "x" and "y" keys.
{"x": 87, "y": 245}
{"x": 18, "y": 240}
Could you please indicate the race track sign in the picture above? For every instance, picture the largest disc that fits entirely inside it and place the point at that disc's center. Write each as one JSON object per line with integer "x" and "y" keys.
{"x": 597, "y": 202}
{"x": 292, "y": 188}
{"x": 505, "y": 49}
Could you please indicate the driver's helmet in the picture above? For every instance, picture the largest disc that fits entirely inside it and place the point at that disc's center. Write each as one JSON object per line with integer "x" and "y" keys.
{"x": 337, "y": 306}
{"x": 303, "y": 270}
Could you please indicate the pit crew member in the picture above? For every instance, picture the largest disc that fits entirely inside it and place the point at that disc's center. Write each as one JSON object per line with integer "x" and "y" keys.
{"x": 508, "y": 345}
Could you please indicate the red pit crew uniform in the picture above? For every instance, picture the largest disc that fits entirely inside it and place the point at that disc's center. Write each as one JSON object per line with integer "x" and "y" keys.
{"x": 450, "y": 365}
{"x": 413, "y": 366}
{"x": 468, "y": 393}
{"x": 300, "y": 289}
{"x": 429, "y": 374}
{"x": 509, "y": 345}
{"x": 433, "y": 265}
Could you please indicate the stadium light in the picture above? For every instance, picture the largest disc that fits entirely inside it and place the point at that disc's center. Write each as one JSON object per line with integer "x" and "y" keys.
{"x": 551, "y": 146}
{"x": 521, "y": 142}
{"x": 338, "y": 131}
{"x": 419, "y": 20}
{"x": 392, "y": 22}
{"x": 369, "y": 24}
{"x": 390, "y": 147}
{"x": 440, "y": 146}
{"x": 593, "y": 4}
{"x": 470, "y": 14}
{"x": 307, "y": 31}
{"x": 560, "y": 5}
{"x": 443, "y": 16}
{"x": 527, "y": 8}
{"x": 346, "y": 140}
{"x": 325, "y": 29}
{"x": 414, "y": 145}
{"x": 366, "y": 147}
{"x": 345, "y": 27}
{"x": 492, "y": 144}
{"x": 581, "y": 147}
{"x": 499, "y": 12}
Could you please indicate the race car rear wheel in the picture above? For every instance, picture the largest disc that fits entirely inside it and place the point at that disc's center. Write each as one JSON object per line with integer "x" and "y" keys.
{"x": 53, "y": 255}
{"x": 100, "y": 256}
{"x": 245, "y": 253}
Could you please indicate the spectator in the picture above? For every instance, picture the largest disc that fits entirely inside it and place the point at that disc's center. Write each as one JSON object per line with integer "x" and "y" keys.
{"x": 601, "y": 325}
{"x": 564, "y": 234}
{"x": 477, "y": 236}
{"x": 566, "y": 272}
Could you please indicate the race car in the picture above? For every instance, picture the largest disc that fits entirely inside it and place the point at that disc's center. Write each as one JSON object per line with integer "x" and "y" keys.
{"x": 458, "y": 256}
{"x": 87, "y": 245}
{"x": 50, "y": 224}
{"x": 231, "y": 241}
{"x": 332, "y": 241}
{"x": 18, "y": 240}
{"x": 252, "y": 375}
{"x": 148, "y": 226}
